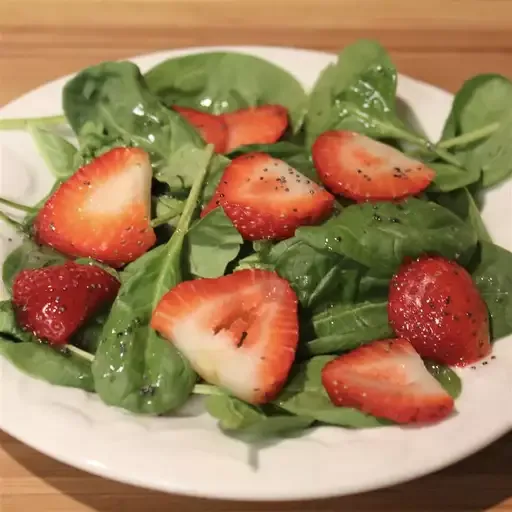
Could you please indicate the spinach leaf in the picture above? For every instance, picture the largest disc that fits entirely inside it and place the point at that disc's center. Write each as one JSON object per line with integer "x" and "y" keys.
{"x": 110, "y": 104}
{"x": 446, "y": 377}
{"x": 462, "y": 203}
{"x": 134, "y": 367}
{"x": 316, "y": 276}
{"x": 253, "y": 261}
{"x": 344, "y": 327}
{"x": 491, "y": 271}
{"x": 170, "y": 208}
{"x": 295, "y": 156}
{"x": 28, "y": 255}
{"x": 305, "y": 395}
{"x": 39, "y": 360}
{"x": 449, "y": 177}
{"x": 212, "y": 242}
{"x": 253, "y": 423}
{"x": 219, "y": 82}
{"x": 381, "y": 235}
{"x": 217, "y": 167}
{"x": 481, "y": 102}
{"x": 58, "y": 154}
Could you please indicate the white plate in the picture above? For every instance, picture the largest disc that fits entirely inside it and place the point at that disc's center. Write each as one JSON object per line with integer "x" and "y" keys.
{"x": 187, "y": 454}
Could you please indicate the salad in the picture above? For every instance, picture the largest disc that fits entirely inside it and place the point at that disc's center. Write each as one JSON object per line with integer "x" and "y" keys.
{"x": 296, "y": 258}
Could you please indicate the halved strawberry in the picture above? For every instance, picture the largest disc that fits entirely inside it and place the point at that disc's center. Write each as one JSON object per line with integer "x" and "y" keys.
{"x": 265, "y": 198}
{"x": 434, "y": 303}
{"x": 53, "y": 302}
{"x": 102, "y": 211}
{"x": 360, "y": 168}
{"x": 239, "y": 331}
{"x": 212, "y": 128}
{"x": 388, "y": 379}
{"x": 255, "y": 125}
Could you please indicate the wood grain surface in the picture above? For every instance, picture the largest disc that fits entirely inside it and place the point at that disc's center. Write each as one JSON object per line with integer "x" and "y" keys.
{"x": 440, "y": 41}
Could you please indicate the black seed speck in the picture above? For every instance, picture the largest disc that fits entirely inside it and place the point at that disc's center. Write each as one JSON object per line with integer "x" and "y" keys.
{"x": 447, "y": 300}
{"x": 485, "y": 362}
{"x": 493, "y": 357}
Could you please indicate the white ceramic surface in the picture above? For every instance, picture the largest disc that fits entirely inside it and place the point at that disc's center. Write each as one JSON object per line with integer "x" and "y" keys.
{"x": 187, "y": 454}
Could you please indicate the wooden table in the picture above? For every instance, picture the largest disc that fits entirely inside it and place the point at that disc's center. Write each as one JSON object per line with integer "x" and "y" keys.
{"x": 440, "y": 41}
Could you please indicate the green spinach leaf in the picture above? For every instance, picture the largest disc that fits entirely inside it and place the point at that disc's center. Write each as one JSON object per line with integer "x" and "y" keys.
{"x": 381, "y": 235}
{"x": 212, "y": 243}
{"x": 305, "y": 395}
{"x": 134, "y": 367}
{"x": 446, "y": 377}
{"x": 344, "y": 327}
{"x": 219, "y": 82}
{"x": 449, "y": 177}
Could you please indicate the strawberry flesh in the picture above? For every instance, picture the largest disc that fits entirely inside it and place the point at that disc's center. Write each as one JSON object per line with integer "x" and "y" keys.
{"x": 239, "y": 331}
{"x": 434, "y": 303}
{"x": 265, "y": 198}
{"x": 363, "y": 169}
{"x": 212, "y": 128}
{"x": 387, "y": 379}
{"x": 53, "y": 302}
{"x": 255, "y": 125}
{"x": 102, "y": 211}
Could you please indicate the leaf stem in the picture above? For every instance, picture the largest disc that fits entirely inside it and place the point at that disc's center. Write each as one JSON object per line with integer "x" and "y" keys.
{"x": 23, "y": 123}
{"x": 468, "y": 138}
{"x": 16, "y": 225}
{"x": 17, "y": 206}
{"x": 80, "y": 353}
{"x": 207, "y": 389}
{"x": 158, "y": 221}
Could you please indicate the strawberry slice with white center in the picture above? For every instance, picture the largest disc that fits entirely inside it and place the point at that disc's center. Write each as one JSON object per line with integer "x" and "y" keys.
{"x": 238, "y": 332}
{"x": 255, "y": 125}
{"x": 360, "y": 168}
{"x": 212, "y": 128}
{"x": 265, "y": 198}
{"x": 388, "y": 379}
{"x": 102, "y": 211}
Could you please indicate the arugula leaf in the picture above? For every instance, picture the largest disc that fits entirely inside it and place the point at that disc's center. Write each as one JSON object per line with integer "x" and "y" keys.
{"x": 212, "y": 242}
{"x": 253, "y": 423}
{"x": 39, "y": 360}
{"x": 446, "y": 377}
{"x": 134, "y": 367}
{"x": 58, "y": 154}
{"x": 110, "y": 104}
{"x": 316, "y": 276}
{"x": 219, "y": 82}
{"x": 382, "y": 234}
{"x": 26, "y": 256}
{"x": 305, "y": 395}
{"x": 344, "y": 327}
{"x": 491, "y": 271}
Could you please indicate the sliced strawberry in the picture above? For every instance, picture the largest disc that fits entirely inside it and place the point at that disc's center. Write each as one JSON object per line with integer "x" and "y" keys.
{"x": 388, "y": 379}
{"x": 256, "y": 125}
{"x": 212, "y": 128}
{"x": 53, "y": 302}
{"x": 265, "y": 198}
{"x": 102, "y": 211}
{"x": 434, "y": 303}
{"x": 239, "y": 331}
{"x": 360, "y": 168}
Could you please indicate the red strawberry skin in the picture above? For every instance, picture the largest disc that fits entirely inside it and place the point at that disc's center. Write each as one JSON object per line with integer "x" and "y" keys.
{"x": 434, "y": 303}
{"x": 239, "y": 331}
{"x": 388, "y": 379}
{"x": 265, "y": 198}
{"x": 255, "y": 125}
{"x": 53, "y": 302}
{"x": 212, "y": 128}
{"x": 363, "y": 169}
{"x": 102, "y": 211}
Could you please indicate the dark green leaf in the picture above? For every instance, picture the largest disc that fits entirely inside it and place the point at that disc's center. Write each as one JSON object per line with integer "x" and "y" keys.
{"x": 492, "y": 273}
{"x": 169, "y": 207}
{"x": 253, "y": 423}
{"x": 305, "y": 395}
{"x": 219, "y": 82}
{"x": 134, "y": 367}
{"x": 344, "y": 327}
{"x": 217, "y": 166}
{"x": 212, "y": 242}
{"x": 449, "y": 177}
{"x": 446, "y": 377}
{"x": 381, "y": 235}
